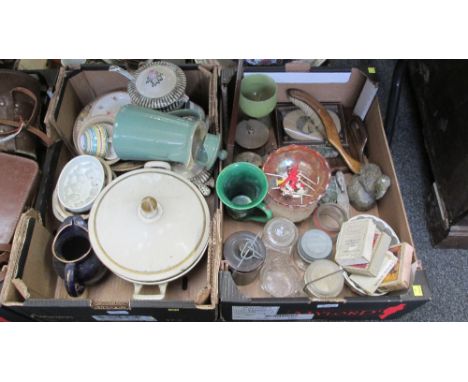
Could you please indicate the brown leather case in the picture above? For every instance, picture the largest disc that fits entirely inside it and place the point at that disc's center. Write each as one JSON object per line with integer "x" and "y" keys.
{"x": 18, "y": 178}
{"x": 16, "y": 106}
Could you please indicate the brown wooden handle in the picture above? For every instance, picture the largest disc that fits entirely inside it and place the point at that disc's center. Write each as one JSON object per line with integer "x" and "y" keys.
{"x": 330, "y": 128}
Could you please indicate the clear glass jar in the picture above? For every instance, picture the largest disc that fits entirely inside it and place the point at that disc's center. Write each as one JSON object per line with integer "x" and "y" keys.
{"x": 280, "y": 235}
{"x": 279, "y": 277}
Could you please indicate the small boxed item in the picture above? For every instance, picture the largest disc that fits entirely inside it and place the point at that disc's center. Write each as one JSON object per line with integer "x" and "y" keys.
{"x": 371, "y": 283}
{"x": 380, "y": 248}
{"x": 351, "y": 198}
{"x": 399, "y": 277}
{"x": 128, "y": 225}
{"x": 355, "y": 243}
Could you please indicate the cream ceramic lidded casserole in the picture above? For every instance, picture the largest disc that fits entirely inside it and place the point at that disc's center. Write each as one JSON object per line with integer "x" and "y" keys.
{"x": 150, "y": 227}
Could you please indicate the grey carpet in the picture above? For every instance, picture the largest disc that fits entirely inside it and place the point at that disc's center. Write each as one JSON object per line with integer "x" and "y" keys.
{"x": 446, "y": 269}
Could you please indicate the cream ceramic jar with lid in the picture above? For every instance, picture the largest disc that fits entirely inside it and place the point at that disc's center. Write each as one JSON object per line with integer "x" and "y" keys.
{"x": 150, "y": 227}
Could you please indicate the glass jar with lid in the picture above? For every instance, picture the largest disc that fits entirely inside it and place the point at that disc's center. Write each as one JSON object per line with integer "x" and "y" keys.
{"x": 280, "y": 235}
{"x": 245, "y": 253}
{"x": 313, "y": 245}
{"x": 323, "y": 279}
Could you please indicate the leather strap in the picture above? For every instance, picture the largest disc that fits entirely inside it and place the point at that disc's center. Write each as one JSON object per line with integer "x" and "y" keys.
{"x": 5, "y": 247}
{"x": 31, "y": 95}
{"x": 21, "y": 125}
{"x": 3, "y": 272}
{"x": 4, "y": 256}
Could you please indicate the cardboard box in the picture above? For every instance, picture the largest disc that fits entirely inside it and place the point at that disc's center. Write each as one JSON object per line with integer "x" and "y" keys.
{"x": 47, "y": 79}
{"x": 7, "y": 315}
{"x": 354, "y": 91}
{"x": 33, "y": 289}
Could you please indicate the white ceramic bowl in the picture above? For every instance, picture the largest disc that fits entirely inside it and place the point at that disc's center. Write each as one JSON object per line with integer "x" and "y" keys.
{"x": 80, "y": 182}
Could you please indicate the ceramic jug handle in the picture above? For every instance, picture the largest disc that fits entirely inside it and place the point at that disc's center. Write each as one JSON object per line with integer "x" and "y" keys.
{"x": 261, "y": 219}
{"x": 73, "y": 288}
{"x": 158, "y": 164}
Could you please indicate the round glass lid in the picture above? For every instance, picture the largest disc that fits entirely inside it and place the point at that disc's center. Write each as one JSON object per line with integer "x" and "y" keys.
{"x": 149, "y": 226}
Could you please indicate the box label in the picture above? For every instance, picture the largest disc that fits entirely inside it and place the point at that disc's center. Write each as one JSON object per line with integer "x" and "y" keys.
{"x": 266, "y": 313}
{"x": 417, "y": 291}
{"x": 306, "y": 77}
{"x": 324, "y": 306}
{"x": 291, "y": 317}
{"x": 123, "y": 317}
{"x": 117, "y": 312}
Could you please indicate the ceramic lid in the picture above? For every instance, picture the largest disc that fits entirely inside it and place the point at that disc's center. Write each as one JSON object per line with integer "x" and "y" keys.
{"x": 250, "y": 157}
{"x": 150, "y": 226}
{"x": 157, "y": 85}
{"x": 252, "y": 134}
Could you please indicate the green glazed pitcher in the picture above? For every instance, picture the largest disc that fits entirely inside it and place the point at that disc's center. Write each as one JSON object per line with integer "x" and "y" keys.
{"x": 145, "y": 134}
{"x": 242, "y": 187}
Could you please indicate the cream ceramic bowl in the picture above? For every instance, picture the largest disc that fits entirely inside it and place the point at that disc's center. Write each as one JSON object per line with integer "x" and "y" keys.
{"x": 102, "y": 110}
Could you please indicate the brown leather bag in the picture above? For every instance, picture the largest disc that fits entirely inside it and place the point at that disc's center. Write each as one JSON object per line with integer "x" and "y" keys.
{"x": 20, "y": 109}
